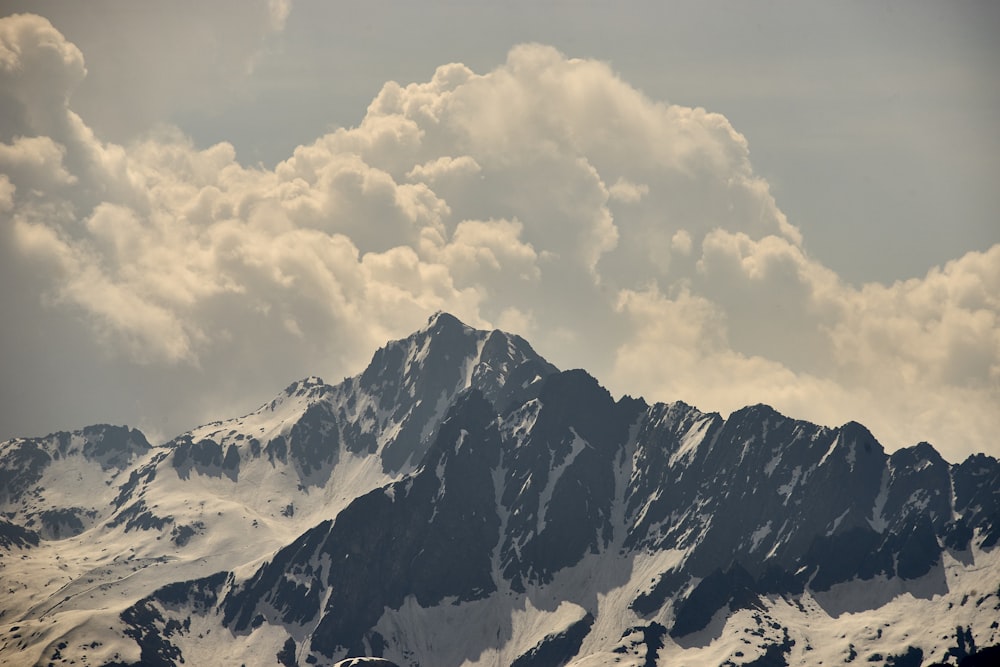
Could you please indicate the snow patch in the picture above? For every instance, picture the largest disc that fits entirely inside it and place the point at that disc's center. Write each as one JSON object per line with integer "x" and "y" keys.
{"x": 690, "y": 441}
{"x": 785, "y": 490}
{"x": 836, "y": 522}
{"x": 772, "y": 464}
{"x": 554, "y": 474}
{"x": 758, "y": 535}
{"x": 833, "y": 446}
{"x": 878, "y": 522}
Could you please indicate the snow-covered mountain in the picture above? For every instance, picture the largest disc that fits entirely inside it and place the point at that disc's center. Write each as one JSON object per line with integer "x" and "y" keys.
{"x": 463, "y": 502}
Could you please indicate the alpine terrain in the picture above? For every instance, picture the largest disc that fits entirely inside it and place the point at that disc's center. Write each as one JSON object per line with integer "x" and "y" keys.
{"x": 464, "y": 502}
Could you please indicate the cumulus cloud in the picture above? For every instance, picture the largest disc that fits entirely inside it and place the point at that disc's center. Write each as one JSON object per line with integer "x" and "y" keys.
{"x": 914, "y": 360}
{"x": 546, "y": 196}
{"x": 39, "y": 70}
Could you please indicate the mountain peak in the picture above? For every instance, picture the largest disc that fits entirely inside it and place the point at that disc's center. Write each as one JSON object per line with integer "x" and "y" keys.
{"x": 304, "y": 386}
{"x": 442, "y": 320}
{"x": 416, "y": 378}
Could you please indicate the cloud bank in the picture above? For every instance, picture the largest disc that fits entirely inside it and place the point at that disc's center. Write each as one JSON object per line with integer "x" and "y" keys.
{"x": 618, "y": 233}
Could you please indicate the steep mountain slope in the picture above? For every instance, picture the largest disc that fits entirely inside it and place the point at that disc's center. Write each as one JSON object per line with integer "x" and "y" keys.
{"x": 461, "y": 502}
{"x": 229, "y": 492}
{"x": 301, "y": 458}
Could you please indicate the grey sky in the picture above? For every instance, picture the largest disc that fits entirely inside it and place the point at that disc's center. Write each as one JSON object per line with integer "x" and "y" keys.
{"x": 873, "y": 124}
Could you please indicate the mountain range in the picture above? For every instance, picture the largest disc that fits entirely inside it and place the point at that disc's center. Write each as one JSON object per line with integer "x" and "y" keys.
{"x": 464, "y": 502}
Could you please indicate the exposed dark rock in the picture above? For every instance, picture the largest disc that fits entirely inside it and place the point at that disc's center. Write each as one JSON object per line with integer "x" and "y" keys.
{"x": 648, "y": 636}
{"x": 152, "y": 630}
{"x": 430, "y": 535}
{"x": 558, "y": 648}
{"x": 732, "y": 589}
{"x": 286, "y": 656}
{"x": 15, "y": 536}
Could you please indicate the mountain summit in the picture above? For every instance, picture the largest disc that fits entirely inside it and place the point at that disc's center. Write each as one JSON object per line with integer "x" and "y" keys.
{"x": 464, "y": 502}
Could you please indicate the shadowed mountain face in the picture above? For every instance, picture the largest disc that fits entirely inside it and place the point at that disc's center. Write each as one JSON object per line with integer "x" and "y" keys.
{"x": 521, "y": 515}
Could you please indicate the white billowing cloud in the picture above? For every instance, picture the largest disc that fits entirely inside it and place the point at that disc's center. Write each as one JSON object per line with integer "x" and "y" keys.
{"x": 547, "y": 196}
{"x": 680, "y": 345}
{"x": 914, "y": 360}
{"x": 444, "y": 169}
{"x": 39, "y": 69}
{"x": 943, "y": 328}
{"x": 478, "y": 248}
{"x": 627, "y": 192}
{"x": 681, "y": 242}
{"x": 37, "y": 161}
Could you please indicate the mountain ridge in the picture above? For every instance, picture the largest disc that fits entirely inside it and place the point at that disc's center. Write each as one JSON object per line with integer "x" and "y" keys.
{"x": 466, "y": 472}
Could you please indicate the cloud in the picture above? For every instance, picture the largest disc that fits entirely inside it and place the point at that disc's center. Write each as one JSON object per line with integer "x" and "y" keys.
{"x": 914, "y": 360}
{"x": 6, "y": 194}
{"x": 278, "y": 11}
{"x": 39, "y": 69}
{"x": 548, "y": 196}
{"x": 156, "y": 62}
{"x": 36, "y": 161}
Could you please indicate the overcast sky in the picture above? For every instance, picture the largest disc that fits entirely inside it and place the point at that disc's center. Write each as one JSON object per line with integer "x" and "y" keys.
{"x": 721, "y": 203}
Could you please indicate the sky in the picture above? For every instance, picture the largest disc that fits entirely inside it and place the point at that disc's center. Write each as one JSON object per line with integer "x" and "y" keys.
{"x": 717, "y": 202}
